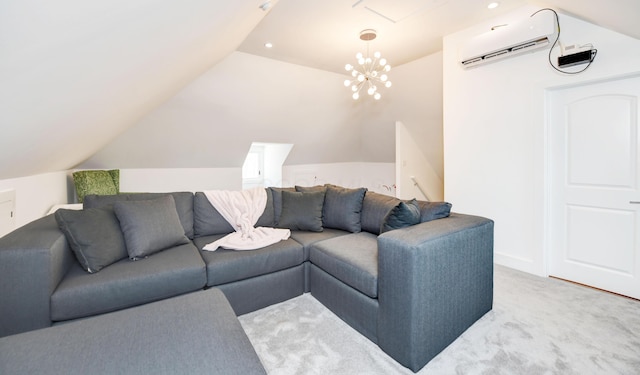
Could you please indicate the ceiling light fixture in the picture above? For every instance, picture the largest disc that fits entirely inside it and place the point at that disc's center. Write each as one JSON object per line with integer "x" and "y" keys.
{"x": 493, "y": 5}
{"x": 370, "y": 72}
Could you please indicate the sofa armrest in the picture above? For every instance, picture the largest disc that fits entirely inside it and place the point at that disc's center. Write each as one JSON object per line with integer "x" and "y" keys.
{"x": 435, "y": 279}
{"x": 33, "y": 260}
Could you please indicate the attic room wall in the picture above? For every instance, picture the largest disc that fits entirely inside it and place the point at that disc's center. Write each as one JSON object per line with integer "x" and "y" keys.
{"x": 494, "y": 137}
{"x": 212, "y": 122}
{"x": 36, "y": 194}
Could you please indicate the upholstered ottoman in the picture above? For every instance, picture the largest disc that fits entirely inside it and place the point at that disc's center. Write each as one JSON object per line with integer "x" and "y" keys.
{"x": 196, "y": 333}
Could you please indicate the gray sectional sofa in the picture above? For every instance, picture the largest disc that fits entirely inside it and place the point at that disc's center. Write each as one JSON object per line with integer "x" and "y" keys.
{"x": 411, "y": 290}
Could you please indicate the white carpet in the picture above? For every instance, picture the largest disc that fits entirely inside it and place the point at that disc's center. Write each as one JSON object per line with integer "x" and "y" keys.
{"x": 537, "y": 326}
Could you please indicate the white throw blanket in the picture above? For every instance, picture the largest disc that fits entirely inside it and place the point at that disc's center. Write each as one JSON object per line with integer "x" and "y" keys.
{"x": 242, "y": 209}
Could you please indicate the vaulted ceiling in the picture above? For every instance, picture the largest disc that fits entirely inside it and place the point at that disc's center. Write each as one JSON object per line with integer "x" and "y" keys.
{"x": 75, "y": 74}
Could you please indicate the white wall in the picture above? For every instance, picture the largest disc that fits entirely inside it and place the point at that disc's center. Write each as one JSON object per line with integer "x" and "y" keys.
{"x": 494, "y": 132}
{"x": 180, "y": 179}
{"x": 245, "y": 99}
{"x": 415, "y": 177}
{"x": 415, "y": 99}
{"x": 378, "y": 177}
{"x": 35, "y": 195}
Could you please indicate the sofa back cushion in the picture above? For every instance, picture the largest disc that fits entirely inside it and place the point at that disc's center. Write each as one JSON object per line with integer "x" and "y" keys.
{"x": 276, "y": 194}
{"x": 208, "y": 221}
{"x": 183, "y": 202}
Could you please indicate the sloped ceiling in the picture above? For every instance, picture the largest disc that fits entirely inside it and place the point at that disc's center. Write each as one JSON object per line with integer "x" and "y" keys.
{"x": 74, "y": 74}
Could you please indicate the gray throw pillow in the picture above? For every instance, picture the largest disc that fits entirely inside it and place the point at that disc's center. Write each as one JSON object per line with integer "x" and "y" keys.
{"x": 401, "y": 216}
{"x": 433, "y": 210}
{"x": 342, "y": 208}
{"x": 183, "y": 200}
{"x": 375, "y": 207}
{"x": 150, "y": 226}
{"x": 94, "y": 236}
{"x": 302, "y": 211}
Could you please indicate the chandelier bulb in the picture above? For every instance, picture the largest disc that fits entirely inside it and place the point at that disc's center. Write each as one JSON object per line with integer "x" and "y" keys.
{"x": 347, "y": 82}
{"x": 355, "y": 96}
{"x": 377, "y": 96}
{"x": 387, "y": 68}
{"x": 371, "y": 91}
{"x": 354, "y": 88}
{"x": 383, "y": 77}
{"x": 388, "y": 84}
{"x": 368, "y": 60}
{"x": 383, "y": 62}
{"x": 359, "y": 55}
{"x": 354, "y": 73}
{"x": 376, "y": 54}
{"x": 348, "y": 67}
{"x": 361, "y": 61}
{"x": 374, "y": 74}
{"x": 360, "y": 78}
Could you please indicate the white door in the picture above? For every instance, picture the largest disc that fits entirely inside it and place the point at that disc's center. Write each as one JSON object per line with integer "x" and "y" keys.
{"x": 595, "y": 194}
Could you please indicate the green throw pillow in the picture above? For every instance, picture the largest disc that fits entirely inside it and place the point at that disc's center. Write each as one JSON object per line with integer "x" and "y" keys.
{"x": 97, "y": 182}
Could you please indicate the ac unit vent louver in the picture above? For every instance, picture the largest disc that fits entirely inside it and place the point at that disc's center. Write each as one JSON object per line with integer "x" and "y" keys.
{"x": 527, "y": 35}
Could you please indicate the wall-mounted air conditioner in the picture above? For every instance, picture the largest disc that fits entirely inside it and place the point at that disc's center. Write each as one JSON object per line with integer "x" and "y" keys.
{"x": 508, "y": 40}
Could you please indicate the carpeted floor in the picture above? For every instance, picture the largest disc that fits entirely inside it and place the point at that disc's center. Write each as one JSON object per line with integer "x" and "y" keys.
{"x": 537, "y": 326}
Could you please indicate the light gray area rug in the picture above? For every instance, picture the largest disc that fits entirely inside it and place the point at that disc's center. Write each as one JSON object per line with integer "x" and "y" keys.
{"x": 537, "y": 326}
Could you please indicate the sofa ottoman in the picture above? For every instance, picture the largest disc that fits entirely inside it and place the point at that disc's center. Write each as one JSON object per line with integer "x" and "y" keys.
{"x": 197, "y": 333}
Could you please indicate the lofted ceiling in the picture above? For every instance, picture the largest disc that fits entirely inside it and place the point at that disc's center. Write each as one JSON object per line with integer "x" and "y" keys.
{"x": 325, "y": 34}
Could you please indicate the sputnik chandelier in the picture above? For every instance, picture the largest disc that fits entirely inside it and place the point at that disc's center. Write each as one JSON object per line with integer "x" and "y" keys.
{"x": 370, "y": 73}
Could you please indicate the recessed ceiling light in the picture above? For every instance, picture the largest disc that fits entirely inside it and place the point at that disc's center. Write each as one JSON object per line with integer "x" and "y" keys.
{"x": 493, "y": 5}
{"x": 268, "y": 45}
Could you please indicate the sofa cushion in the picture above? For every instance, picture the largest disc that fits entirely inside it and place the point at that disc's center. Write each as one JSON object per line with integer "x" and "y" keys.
{"x": 225, "y": 266}
{"x": 208, "y": 221}
{"x": 404, "y": 214}
{"x": 183, "y": 201}
{"x": 433, "y": 210}
{"x": 94, "y": 235}
{"x": 150, "y": 226}
{"x": 127, "y": 283}
{"x": 307, "y": 239}
{"x": 352, "y": 259}
{"x": 157, "y": 338}
{"x": 375, "y": 207}
{"x": 302, "y": 211}
{"x": 342, "y": 208}
{"x": 311, "y": 189}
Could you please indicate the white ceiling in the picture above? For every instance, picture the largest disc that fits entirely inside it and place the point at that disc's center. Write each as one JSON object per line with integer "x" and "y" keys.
{"x": 325, "y": 34}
